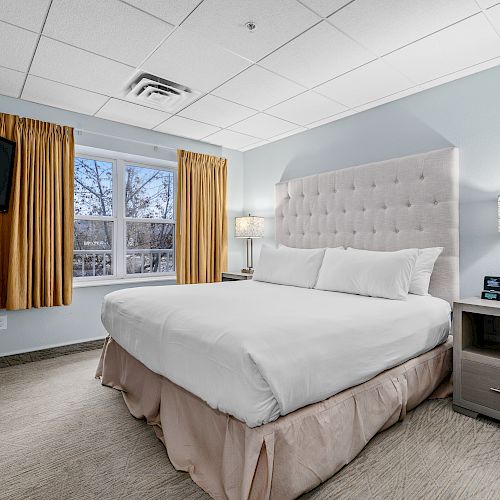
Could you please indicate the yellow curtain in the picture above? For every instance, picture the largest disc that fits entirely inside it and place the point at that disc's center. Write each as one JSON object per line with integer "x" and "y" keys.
{"x": 36, "y": 234}
{"x": 201, "y": 229}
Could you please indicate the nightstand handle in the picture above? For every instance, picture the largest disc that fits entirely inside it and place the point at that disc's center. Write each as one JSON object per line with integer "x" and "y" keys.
{"x": 494, "y": 389}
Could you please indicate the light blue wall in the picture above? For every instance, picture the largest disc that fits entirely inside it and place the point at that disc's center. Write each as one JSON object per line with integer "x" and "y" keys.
{"x": 464, "y": 113}
{"x": 40, "y": 328}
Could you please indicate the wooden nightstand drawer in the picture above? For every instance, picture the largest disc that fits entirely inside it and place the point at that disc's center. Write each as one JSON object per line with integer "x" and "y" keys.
{"x": 478, "y": 382}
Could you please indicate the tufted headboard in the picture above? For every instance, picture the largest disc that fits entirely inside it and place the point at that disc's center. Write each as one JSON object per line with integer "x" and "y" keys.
{"x": 409, "y": 202}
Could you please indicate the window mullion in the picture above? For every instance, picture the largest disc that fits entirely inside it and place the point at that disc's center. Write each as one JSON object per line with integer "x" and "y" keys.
{"x": 149, "y": 220}
{"x": 121, "y": 270}
{"x": 103, "y": 218}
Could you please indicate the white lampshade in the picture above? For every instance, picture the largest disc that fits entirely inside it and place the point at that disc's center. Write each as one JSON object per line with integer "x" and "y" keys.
{"x": 249, "y": 227}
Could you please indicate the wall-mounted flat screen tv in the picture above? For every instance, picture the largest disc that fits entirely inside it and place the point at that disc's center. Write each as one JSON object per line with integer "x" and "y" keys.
{"x": 7, "y": 152}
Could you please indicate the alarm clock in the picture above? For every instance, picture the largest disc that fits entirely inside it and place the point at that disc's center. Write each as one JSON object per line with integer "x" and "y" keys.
{"x": 491, "y": 288}
{"x": 489, "y": 295}
{"x": 491, "y": 283}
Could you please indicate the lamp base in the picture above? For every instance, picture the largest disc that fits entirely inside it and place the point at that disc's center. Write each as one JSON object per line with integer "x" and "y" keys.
{"x": 248, "y": 270}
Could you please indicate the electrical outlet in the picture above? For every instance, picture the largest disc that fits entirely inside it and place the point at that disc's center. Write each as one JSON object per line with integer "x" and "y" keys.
{"x": 3, "y": 322}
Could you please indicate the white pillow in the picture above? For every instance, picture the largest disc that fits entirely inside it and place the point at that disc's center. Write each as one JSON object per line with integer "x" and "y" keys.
{"x": 421, "y": 278}
{"x": 289, "y": 266}
{"x": 364, "y": 272}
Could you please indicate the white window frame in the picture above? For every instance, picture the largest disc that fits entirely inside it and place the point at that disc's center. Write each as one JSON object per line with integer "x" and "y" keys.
{"x": 103, "y": 218}
{"x": 119, "y": 248}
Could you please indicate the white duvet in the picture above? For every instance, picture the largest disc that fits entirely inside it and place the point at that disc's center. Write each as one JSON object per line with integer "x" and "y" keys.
{"x": 258, "y": 350}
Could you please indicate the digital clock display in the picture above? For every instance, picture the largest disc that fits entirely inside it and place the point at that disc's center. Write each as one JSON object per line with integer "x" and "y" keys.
{"x": 492, "y": 283}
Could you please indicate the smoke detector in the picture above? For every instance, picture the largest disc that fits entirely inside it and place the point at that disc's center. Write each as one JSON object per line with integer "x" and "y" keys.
{"x": 250, "y": 26}
{"x": 153, "y": 91}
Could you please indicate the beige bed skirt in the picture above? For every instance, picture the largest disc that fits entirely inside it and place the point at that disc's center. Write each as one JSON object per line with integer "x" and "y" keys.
{"x": 284, "y": 458}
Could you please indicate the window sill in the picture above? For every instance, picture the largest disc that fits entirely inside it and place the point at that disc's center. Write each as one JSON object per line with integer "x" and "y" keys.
{"x": 122, "y": 281}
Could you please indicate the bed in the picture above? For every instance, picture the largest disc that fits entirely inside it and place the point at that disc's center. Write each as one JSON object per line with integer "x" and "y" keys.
{"x": 271, "y": 404}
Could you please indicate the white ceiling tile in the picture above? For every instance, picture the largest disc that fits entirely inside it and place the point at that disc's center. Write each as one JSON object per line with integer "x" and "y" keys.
{"x": 316, "y": 56}
{"x": 16, "y": 47}
{"x": 263, "y": 126}
{"x": 287, "y": 134}
{"x": 494, "y": 16}
{"x": 58, "y": 61}
{"x": 331, "y": 119}
{"x": 255, "y": 145}
{"x": 258, "y": 88}
{"x": 277, "y": 21}
{"x": 230, "y": 139}
{"x": 177, "y": 125}
{"x": 62, "y": 96}
{"x": 133, "y": 114}
{"x": 11, "y": 82}
{"x": 111, "y": 28}
{"x": 464, "y": 44}
{"x": 172, "y": 11}
{"x": 306, "y": 108}
{"x": 188, "y": 59}
{"x": 216, "y": 111}
{"x": 485, "y": 4}
{"x": 325, "y": 7}
{"x": 385, "y": 25}
{"x": 372, "y": 81}
{"x": 28, "y": 14}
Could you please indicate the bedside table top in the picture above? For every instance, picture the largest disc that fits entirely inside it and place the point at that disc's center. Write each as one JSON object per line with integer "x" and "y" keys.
{"x": 237, "y": 274}
{"x": 478, "y": 301}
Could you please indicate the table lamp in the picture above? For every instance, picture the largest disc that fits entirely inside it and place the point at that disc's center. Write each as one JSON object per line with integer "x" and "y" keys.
{"x": 249, "y": 227}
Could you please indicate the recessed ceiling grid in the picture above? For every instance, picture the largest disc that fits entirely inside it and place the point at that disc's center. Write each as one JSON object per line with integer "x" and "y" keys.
{"x": 308, "y": 62}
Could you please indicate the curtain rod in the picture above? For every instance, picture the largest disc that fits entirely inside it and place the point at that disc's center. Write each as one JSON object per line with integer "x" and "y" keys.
{"x": 80, "y": 131}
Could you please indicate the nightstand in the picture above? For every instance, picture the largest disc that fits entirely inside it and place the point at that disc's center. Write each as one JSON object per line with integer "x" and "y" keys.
{"x": 476, "y": 357}
{"x": 236, "y": 276}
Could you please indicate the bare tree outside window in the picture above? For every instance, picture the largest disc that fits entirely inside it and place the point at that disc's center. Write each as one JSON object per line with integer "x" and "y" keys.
{"x": 93, "y": 235}
{"x": 93, "y": 187}
{"x": 149, "y": 193}
{"x": 144, "y": 217}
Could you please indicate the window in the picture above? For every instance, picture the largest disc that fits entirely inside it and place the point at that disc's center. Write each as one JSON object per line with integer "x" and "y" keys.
{"x": 124, "y": 219}
{"x": 149, "y": 220}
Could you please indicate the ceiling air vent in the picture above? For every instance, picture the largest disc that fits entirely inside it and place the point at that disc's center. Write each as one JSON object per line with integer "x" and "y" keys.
{"x": 153, "y": 91}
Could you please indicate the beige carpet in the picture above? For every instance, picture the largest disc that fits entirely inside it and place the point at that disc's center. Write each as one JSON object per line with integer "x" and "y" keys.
{"x": 64, "y": 436}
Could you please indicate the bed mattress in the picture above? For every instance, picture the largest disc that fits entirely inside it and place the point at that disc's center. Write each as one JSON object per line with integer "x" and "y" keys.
{"x": 257, "y": 350}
